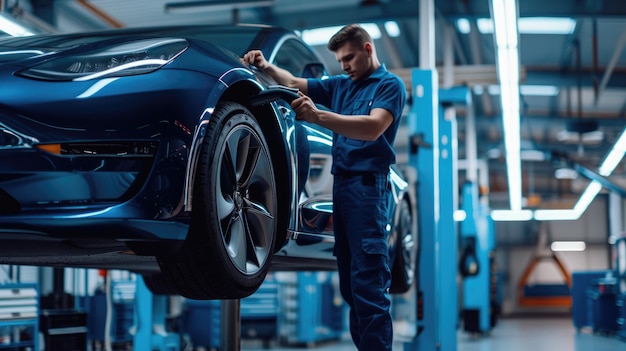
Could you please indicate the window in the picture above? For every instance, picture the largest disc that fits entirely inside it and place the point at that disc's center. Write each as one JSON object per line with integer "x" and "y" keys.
{"x": 294, "y": 56}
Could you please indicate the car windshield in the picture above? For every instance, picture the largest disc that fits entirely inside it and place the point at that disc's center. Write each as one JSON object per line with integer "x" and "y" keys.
{"x": 236, "y": 39}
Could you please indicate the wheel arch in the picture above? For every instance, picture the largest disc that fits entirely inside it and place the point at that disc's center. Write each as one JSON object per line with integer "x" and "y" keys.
{"x": 240, "y": 92}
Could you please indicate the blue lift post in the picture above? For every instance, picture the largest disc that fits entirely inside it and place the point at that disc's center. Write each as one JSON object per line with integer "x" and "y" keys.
{"x": 620, "y": 274}
{"x": 477, "y": 244}
{"x": 150, "y": 329}
{"x": 434, "y": 155}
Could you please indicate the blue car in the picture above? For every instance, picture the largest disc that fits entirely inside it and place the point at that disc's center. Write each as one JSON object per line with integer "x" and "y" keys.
{"x": 156, "y": 150}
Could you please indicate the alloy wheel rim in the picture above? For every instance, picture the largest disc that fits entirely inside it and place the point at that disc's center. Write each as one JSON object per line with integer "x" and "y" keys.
{"x": 246, "y": 199}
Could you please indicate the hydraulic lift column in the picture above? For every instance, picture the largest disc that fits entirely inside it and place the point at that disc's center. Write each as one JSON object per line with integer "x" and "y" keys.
{"x": 150, "y": 322}
{"x": 434, "y": 155}
{"x": 231, "y": 325}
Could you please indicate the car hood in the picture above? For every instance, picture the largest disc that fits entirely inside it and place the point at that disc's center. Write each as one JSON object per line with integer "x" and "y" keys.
{"x": 233, "y": 39}
{"x": 175, "y": 89}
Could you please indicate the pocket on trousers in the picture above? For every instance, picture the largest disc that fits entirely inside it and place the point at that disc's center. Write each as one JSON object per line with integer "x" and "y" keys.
{"x": 374, "y": 246}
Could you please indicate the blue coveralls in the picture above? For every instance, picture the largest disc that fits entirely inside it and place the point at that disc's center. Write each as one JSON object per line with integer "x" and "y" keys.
{"x": 360, "y": 195}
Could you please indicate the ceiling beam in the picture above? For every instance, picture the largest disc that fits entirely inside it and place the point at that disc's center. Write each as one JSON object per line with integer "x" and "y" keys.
{"x": 611, "y": 66}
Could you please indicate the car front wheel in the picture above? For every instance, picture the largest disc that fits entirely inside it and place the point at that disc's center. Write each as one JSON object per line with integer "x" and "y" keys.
{"x": 228, "y": 250}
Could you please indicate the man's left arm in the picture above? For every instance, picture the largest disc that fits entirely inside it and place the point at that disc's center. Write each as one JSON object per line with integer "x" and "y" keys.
{"x": 385, "y": 108}
{"x": 359, "y": 127}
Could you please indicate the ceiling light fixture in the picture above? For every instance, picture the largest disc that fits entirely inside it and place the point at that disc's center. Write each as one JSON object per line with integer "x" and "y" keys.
{"x": 608, "y": 165}
{"x": 614, "y": 157}
{"x": 508, "y": 215}
{"x": 463, "y": 25}
{"x": 575, "y": 246}
{"x": 565, "y": 173}
{"x": 529, "y": 90}
{"x": 539, "y": 90}
{"x": 590, "y": 193}
{"x": 533, "y": 155}
{"x": 504, "y": 14}
{"x": 594, "y": 137}
{"x": 556, "y": 215}
{"x": 525, "y": 25}
{"x": 392, "y": 28}
{"x": 546, "y": 25}
{"x": 320, "y": 36}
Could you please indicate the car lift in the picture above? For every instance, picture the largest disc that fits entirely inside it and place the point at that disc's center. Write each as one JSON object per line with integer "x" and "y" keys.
{"x": 231, "y": 315}
{"x": 149, "y": 331}
{"x": 433, "y": 153}
{"x": 480, "y": 301}
{"x": 544, "y": 295}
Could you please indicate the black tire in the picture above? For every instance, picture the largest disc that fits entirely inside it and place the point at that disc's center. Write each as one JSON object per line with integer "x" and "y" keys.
{"x": 228, "y": 250}
{"x": 158, "y": 285}
{"x": 404, "y": 263}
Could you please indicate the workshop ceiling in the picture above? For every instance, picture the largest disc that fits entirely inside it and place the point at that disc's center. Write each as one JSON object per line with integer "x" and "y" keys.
{"x": 573, "y": 95}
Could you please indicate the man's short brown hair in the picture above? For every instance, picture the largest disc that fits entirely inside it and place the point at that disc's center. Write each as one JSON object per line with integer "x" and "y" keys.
{"x": 352, "y": 33}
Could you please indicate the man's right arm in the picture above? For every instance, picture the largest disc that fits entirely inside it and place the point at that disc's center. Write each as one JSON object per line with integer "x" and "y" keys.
{"x": 280, "y": 75}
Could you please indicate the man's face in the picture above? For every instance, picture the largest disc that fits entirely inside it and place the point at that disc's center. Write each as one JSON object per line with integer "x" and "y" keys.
{"x": 355, "y": 61}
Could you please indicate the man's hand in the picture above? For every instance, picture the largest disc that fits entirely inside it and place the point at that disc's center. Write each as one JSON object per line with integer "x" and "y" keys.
{"x": 305, "y": 109}
{"x": 280, "y": 75}
{"x": 256, "y": 58}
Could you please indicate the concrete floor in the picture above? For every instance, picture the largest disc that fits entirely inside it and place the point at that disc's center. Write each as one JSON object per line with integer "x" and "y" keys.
{"x": 510, "y": 334}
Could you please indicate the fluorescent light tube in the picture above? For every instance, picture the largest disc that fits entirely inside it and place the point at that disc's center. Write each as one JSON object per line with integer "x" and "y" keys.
{"x": 12, "y": 28}
{"x": 587, "y": 196}
{"x": 485, "y": 25}
{"x": 392, "y": 29}
{"x": 556, "y": 215}
{"x": 529, "y": 90}
{"x": 505, "y": 19}
{"x": 539, "y": 90}
{"x": 320, "y": 36}
{"x": 568, "y": 246}
{"x": 463, "y": 25}
{"x": 614, "y": 156}
{"x": 526, "y": 25}
{"x": 508, "y": 215}
{"x": 565, "y": 173}
{"x": 546, "y": 25}
{"x": 532, "y": 155}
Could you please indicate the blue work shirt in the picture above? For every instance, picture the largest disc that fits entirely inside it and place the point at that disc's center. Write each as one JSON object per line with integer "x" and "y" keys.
{"x": 382, "y": 89}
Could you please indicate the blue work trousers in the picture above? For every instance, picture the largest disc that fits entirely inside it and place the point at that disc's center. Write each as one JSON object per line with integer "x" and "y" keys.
{"x": 359, "y": 221}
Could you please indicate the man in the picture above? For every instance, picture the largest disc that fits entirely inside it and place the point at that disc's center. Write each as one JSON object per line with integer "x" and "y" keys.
{"x": 365, "y": 105}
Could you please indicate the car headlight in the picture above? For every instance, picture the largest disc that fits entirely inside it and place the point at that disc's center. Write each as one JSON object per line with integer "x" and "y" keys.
{"x": 137, "y": 57}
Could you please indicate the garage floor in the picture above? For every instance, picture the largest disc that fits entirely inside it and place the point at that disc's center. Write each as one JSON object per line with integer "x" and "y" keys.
{"x": 511, "y": 334}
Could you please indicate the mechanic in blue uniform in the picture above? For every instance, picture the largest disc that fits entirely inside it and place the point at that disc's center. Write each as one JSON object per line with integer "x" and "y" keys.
{"x": 365, "y": 105}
